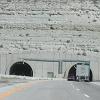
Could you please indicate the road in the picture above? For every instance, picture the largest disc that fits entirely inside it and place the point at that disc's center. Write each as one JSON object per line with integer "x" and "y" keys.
{"x": 48, "y": 90}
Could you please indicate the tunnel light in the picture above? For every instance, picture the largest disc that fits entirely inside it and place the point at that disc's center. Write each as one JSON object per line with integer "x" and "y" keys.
{"x": 23, "y": 61}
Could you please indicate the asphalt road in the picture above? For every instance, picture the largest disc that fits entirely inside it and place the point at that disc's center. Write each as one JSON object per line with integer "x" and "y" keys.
{"x": 49, "y": 90}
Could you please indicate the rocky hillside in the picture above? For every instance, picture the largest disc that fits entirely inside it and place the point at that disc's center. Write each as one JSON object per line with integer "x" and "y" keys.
{"x": 70, "y": 26}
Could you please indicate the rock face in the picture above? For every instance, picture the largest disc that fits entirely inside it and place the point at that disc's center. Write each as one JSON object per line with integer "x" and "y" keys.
{"x": 68, "y": 26}
{"x": 40, "y": 32}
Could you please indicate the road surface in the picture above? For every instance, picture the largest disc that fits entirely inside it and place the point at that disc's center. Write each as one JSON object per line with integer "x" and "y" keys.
{"x": 48, "y": 90}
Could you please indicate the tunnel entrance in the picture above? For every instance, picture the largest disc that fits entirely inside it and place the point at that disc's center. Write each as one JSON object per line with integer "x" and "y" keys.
{"x": 21, "y": 69}
{"x": 72, "y": 74}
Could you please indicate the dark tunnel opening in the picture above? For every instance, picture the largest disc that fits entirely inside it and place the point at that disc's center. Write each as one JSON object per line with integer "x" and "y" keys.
{"x": 21, "y": 69}
{"x": 91, "y": 76}
{"x": 72, "y": 74}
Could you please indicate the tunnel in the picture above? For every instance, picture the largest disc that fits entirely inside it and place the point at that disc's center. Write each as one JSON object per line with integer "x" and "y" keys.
{"x": 21, "y": 69}
{"x": 72, "y": 74}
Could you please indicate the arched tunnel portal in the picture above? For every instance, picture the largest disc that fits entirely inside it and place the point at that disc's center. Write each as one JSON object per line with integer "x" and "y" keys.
{"x": 72, "y": 73}
{"x": 21, "y": 69}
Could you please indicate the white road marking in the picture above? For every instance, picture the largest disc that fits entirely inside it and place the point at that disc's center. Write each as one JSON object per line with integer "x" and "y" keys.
{"x": 73, "y": 86}
{"x": 78, "y": 89}
{"x": 86, "y": 95}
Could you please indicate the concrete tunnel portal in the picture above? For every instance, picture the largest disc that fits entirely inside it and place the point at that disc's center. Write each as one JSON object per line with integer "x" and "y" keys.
{"x": 21, "y": 69}
{"x": 72, "y": 72}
